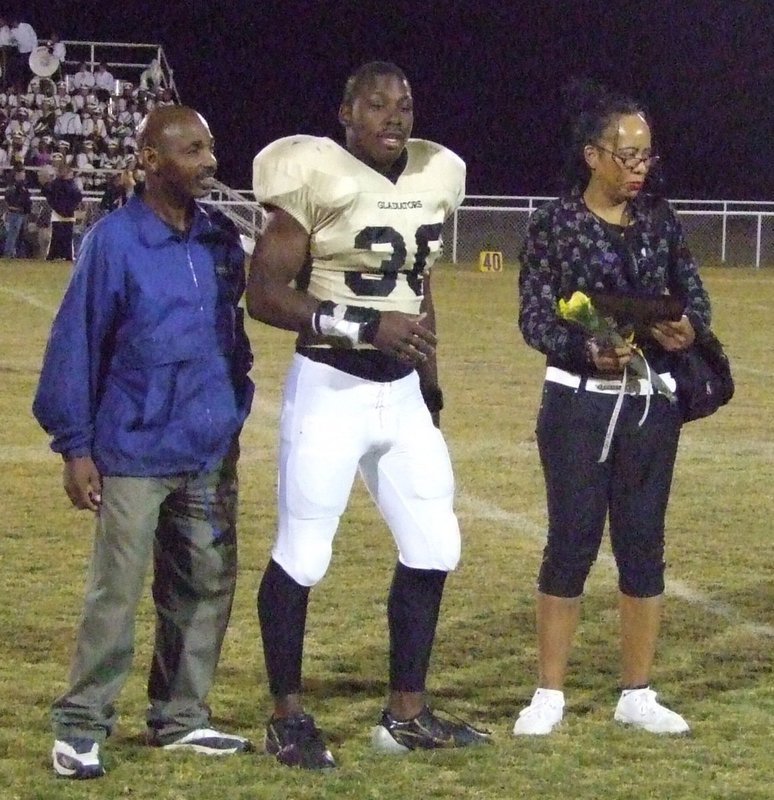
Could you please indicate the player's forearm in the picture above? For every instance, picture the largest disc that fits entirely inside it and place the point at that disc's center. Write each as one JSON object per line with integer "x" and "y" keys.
{"x": 279, "y": 256}
{"x": 280, "y": 306}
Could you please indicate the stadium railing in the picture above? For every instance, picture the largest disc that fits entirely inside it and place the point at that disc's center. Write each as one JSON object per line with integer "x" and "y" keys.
{"x": 718, "y": 231}
{"x": 732, "y": 233}
{"x": 125, "y": 60}
{"x": 726, "y": 232}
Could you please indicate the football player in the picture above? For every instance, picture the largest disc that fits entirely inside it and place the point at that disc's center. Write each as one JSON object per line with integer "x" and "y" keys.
{"x": 344, "y": 259}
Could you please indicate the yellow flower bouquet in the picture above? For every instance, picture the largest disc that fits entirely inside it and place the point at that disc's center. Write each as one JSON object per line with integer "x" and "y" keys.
{"x": 581, "y": 310}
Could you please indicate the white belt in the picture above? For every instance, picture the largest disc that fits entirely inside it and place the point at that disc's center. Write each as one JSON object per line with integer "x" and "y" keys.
{"x": 636, "y": 386}
{"x": 620, "y": 387}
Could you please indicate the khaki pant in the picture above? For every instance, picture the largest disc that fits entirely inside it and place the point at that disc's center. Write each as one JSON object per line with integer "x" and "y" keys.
{"x": 186, "y": 526}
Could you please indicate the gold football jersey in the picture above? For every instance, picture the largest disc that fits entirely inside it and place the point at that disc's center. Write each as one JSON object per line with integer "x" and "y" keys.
{"x": 371, "y": 240}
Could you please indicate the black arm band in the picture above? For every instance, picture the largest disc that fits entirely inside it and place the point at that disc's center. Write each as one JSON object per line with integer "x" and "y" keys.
{"x": 433, "y": 397}
{"x": 370, "y": 326}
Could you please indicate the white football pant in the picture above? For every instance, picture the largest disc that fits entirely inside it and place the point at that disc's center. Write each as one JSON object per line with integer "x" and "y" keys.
{"x": 334, "y": 423}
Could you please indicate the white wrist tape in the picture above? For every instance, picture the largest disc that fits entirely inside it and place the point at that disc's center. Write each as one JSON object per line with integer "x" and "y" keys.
{"x": 353, "y": 323}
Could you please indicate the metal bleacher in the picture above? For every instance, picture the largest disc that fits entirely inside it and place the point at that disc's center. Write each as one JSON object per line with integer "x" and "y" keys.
{"x": 126, "y": 61}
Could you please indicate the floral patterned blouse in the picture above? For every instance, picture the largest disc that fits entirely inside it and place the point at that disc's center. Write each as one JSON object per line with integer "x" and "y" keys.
{"x": 568, "y": 248}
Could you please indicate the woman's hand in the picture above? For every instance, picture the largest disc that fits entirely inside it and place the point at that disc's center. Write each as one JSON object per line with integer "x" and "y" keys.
{"x": 674, "y": 335}
{"x": 607, "y": 358}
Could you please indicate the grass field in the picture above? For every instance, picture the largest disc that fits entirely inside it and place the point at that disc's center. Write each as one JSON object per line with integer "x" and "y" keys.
{"x": 715, "y": 656}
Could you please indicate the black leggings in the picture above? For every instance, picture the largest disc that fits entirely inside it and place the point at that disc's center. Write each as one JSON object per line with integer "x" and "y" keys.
{"x": 632, "y": 486}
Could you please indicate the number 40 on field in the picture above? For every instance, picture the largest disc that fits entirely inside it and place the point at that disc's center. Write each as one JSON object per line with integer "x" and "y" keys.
{"x": 490, "y": 261}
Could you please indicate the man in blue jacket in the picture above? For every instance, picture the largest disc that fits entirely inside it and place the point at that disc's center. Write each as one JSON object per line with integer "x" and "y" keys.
{"x": 144, "y": 390}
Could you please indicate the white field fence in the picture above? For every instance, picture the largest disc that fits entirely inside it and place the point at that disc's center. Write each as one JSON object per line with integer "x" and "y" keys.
{"x": 732, "y": 233}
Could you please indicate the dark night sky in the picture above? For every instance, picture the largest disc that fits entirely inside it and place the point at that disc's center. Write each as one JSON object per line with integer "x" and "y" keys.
{"x": 485, "y": 75}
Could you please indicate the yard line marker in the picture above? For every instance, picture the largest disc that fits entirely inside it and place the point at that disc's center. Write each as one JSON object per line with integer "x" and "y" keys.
{"x": 27, "y": 298}
{"x": 266, "y": 404}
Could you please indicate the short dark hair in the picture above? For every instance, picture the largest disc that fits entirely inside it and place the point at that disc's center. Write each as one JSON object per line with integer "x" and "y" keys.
{"x": 589, "y": 109}
{"x": 152, "y": 128}
{"x": 367, "y": 73}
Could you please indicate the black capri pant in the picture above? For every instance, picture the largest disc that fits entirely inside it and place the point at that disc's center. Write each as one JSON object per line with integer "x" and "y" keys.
{"x": 632, "y": 485}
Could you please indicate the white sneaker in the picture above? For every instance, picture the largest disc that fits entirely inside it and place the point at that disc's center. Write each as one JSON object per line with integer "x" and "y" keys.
{"x": 77, "y": 758}
{"x": 542, "y": 715}
{"x": 638, "y": 707}
{"x": 210, "y": 742}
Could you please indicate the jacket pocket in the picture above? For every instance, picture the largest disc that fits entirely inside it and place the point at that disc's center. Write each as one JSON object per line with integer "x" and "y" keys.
{"x": 148, "y": 371}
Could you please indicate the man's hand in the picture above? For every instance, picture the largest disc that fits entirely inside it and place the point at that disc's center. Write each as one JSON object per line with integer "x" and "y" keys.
{"x": 404, "y": 336}
{"x": 83, "y": 483}
{"x": 674, "y": 335}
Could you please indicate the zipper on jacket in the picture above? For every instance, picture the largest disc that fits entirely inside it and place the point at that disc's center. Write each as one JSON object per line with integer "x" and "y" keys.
{"x": 201, "y": 308}
{"x": 193, "y": 275}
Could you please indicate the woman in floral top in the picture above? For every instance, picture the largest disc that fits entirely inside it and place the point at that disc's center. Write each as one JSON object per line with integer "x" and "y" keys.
{"x": 607, "y": 443}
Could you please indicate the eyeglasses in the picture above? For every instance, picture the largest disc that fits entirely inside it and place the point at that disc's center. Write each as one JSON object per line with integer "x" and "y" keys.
{"x": 631, "y": 162}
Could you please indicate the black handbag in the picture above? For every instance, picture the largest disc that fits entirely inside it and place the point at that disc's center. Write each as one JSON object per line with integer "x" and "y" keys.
{"x": 703, "y": 376}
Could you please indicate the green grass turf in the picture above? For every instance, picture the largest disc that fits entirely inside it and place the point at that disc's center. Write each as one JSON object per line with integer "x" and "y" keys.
{"x": 714, "y": 661}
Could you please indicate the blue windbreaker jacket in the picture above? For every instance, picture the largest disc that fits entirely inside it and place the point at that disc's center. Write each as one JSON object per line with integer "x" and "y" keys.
{"x": 146, "y": 367}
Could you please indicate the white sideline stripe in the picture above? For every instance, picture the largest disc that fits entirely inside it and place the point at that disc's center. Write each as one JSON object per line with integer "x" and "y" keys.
{"x": 470, "y": 450}
{"x": 25, "y": 453}
{"x": 475, "y": 506}
{"x": 30, "y": 299}
{"x": 746, "y": 306}
{"x": 757, "y": 278}
{"x": 478, "y": 508}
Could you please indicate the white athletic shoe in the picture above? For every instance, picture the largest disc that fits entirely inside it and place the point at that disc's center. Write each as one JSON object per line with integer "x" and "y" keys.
{"x": 638, "y": 707}
{"x": 77, "y": 758}
{"x": 209, "y": 742}
{"x": 542, "y": 715}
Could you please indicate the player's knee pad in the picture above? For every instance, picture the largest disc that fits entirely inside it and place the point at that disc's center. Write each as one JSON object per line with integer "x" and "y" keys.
{"x": 438, "y": 549}
{"x": 308, "y": 567}
{"x": 304, "y": 548}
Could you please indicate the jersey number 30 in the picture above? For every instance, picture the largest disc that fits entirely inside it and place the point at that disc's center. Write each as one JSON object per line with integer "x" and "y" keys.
{"x": 364, "y": 285}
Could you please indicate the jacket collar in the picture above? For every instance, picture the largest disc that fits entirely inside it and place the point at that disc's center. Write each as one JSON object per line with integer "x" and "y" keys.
{"x": 154, "y": 232}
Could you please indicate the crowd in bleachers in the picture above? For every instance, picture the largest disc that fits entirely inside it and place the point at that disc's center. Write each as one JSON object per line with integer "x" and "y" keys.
{"x": 87, "y": 120}
{"x": 78, "y": 125}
